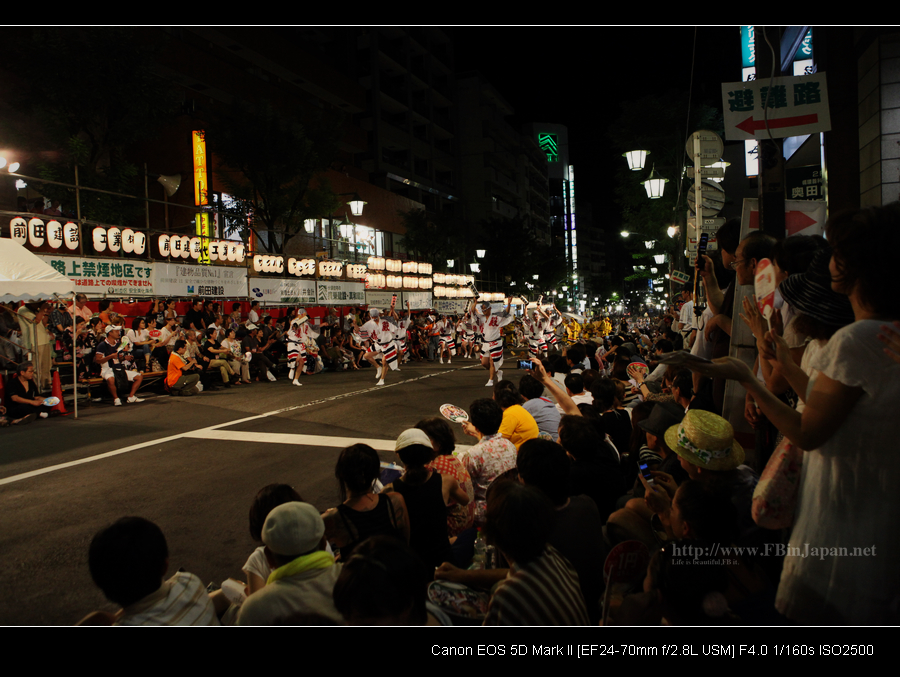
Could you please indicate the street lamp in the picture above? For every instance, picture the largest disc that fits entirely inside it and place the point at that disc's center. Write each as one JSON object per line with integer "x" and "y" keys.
{"x": 636, "y": 159}
{"x": 654, "y": 185}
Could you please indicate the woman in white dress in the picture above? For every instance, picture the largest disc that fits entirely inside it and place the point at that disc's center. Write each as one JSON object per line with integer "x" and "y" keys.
{"x": 840, "y": 563}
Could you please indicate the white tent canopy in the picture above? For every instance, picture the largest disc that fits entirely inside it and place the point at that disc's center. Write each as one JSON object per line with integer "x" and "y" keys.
{"x": 24, "y": 277}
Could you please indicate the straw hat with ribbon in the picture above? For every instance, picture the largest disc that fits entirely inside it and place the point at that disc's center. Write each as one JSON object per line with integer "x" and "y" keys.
{"x": 705, "y": 440}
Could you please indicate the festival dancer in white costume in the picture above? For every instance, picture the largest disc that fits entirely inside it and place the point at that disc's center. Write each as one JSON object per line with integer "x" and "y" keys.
{"x": 379, "y": 331}
{"x": 489, "y": 327}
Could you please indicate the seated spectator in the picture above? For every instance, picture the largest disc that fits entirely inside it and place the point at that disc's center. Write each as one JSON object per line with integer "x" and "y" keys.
{"x": 384, "y": 583}
{"x": 493, "y": 456}
{"x": 25, "y": 402}
{"x": 574, "y": 383}
{"x": 542, "y": 587}
{"x": 542, "y": 409}
{"x": 517, "y": 425}
{"x": 163, "y": 344}
{"x": 179, "y": 381}
{"x": 127, "y": 561}
{"x": 269, "y": 497}
{"x": 459, "y": 516}
{"x": 595, "y": 470}
{"x": 109, "y": 356}
{"x": 427, "y": 495}
{"x": 302, "y": 582}
{"x": 363, "y": 512}
{"x": 139, "y": 336}
{"x": 578, "y": 531}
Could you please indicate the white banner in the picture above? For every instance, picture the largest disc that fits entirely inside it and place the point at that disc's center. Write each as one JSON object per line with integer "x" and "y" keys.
{"x": 340, "y": 293}
{"x": 105, "y": 277}
{"x": 381, "y": 299}
{"x": 452, "y": 306}
{"x": 418, "y": 300}
{"x": 175, "y": 279}
{"x": 272, "y": 291}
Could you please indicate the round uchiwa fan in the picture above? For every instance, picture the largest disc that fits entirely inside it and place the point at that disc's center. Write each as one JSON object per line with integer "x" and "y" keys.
{"x": 454, "y": 413}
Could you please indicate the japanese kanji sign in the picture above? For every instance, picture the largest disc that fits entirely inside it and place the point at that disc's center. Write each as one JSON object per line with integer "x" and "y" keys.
{"x": 790, "y": 106}
{"x": 104, "y": 277}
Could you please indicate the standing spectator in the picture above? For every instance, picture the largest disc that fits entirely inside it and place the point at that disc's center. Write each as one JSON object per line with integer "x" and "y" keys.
{"x": 849, "y": 420}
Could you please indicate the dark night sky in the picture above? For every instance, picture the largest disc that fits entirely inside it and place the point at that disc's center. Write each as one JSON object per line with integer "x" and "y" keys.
{"x": 575, "y": 75}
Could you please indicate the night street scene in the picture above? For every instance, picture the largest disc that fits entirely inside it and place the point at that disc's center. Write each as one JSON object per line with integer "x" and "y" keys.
{"x": 454, "y": 326}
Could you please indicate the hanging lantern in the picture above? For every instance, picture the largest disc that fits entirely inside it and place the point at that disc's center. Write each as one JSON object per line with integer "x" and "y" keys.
{"x": 55, "y": 234}
{"x": 37, "y": 231}
{"x": 70, "y": 232}
{"x": 163, "y": 243}
{"x": 636, "y": 159}
{"x": 128, "y": 240}
{"x": 18, "y": 230}
{"x": 654, "y": 185}
{"x": 114, "y": 239}
{"x": 99, "y": 235}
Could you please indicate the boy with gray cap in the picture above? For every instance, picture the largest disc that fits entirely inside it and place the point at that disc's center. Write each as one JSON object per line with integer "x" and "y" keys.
{"x": 299, "y": 589}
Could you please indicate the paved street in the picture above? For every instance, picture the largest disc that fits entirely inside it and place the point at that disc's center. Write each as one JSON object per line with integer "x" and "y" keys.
{"x": 192, "y": 465}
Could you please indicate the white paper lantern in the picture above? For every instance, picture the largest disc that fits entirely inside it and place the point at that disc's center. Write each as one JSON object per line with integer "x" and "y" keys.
{"x": 114, "y": 239}
{"x": 195, "y": 247}
{"x": 70, "y": 233}
{"x": 140, "y": 243}
{"x": 128, "y": 240}
{"x": 163, "y": 243}
{"x": 55, "y": 234}
{"x": 37, "y": 231}
{"x": 99, "y": 236}
{"x": 18, "y": 230}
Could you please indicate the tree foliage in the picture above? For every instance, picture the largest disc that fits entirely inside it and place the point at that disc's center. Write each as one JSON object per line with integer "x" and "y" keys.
{"x": 273, "y": 164}
{"x": 85, "y": 96}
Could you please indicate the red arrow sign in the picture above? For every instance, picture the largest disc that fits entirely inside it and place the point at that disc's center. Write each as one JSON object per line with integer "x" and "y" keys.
{"x": 751, "y": 126}
{"x": 794, "y": 222}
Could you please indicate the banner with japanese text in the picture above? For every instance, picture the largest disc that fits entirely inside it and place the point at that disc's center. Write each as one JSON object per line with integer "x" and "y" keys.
{"x": 105, "y": 277}
{"x": 340, "y": 293}
{"x": 175, "y": 279}
{"x": 273, "y": 291}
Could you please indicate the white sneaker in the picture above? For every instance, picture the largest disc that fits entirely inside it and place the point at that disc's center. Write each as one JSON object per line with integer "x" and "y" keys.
{"x": 380, "y": 383}
{"x": 489, "y": 384}
{"x": 297, "y": 383}
{"x": 449, "y": 361}
{"x": 270, "y": 375}
{"x": 118, "y": 402}
{"x": 291, "y": 374}
{"x": 441, "y": 361}
{"x": 44, "y": 414}
{"x": 499, "y": 374}
{"x": 135, "y": 400}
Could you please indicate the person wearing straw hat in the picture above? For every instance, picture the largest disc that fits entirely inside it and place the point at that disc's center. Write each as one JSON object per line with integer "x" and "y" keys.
{"x": 704, "y": 441}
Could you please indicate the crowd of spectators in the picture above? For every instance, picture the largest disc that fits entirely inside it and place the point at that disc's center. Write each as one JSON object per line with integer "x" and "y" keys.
{"x": 641, "y": 458}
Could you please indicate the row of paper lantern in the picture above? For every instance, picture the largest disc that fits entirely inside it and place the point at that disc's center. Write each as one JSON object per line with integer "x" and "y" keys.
{"x": 380, "y": 281}
{"x": 35, "y": 233}
{"x": 183, "y": 246}
{"x": 115, "y": 239}
{"x": 445, "y": 278}
{"x": 377, "y": 263}
{"x": 455, "y": 292}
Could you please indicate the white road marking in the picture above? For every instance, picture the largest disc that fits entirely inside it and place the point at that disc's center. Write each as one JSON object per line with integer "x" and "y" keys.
{"x": 383, "y": 445}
